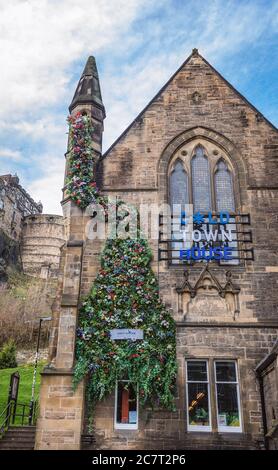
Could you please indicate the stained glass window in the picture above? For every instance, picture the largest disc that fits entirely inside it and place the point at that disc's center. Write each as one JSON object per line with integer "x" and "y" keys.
{"x": 178, "y": 184}
{"x": 224, "y": 193}
{"x": 200, "y": 181}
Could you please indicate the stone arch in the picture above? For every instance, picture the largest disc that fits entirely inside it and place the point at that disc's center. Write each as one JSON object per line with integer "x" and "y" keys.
{"x": 239, "y": 167}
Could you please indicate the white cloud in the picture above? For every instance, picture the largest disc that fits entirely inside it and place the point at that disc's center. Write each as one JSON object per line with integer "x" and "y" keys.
{"x": 10, "y": 154}
{"x": 41, "y": 40}
{"x": 139, "y": 44}
{"x": 218, "y": 31}
{"x": 48, "y": 186}
{"x": 47, "y": 189}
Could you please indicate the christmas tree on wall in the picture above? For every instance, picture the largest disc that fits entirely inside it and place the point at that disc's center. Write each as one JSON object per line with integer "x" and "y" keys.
{"x": 125, "y": 295}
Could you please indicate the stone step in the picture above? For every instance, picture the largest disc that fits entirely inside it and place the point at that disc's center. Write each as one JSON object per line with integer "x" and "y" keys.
{"x": 7, "y": 446}
{"x": 19, "y": 431}
{"x": 14, "y": 442}
{"x": 18, "y": 438}
{"x": 22, "y": 428}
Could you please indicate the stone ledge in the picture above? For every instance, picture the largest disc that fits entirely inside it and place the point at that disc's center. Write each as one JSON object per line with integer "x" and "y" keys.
{"x": 227, "y": 325}
{"x": 75, "y": 243}
{"x": 69, "y": 300}
{"x": 53, "y": 371}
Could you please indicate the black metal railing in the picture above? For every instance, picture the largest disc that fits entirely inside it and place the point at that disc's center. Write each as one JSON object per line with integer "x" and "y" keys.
{"x": 5, "y": 419}
{"x": 17, "y": 414}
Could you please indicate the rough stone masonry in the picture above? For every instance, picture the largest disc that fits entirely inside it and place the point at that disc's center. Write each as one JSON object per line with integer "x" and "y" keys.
{"x": 224, "y": 313}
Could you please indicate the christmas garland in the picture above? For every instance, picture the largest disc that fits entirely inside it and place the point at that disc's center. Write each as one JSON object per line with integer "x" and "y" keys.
{"x": 80, "y": 183}
{"x": 125, "y": 295}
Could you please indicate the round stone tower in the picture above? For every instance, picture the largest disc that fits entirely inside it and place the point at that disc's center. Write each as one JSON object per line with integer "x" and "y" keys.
{"x": 43, "y": 235}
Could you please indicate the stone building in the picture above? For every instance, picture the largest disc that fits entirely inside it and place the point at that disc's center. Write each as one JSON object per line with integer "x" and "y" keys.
{"x": 15, "y": 204}
{"x": 197, "y": 142}
{"x": 268, "y": 380}
{"x": 43, "y": 236}
{"x": 30, "y": 240}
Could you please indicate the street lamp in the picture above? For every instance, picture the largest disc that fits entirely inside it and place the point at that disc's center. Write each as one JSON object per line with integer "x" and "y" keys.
{"x": 31, "y": 408}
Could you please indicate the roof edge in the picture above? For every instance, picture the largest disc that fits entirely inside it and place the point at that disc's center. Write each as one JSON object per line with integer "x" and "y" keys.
{"x": 194, "y": 53}
{"x": 268, "y": 359}
{"x": 147, "y": 105}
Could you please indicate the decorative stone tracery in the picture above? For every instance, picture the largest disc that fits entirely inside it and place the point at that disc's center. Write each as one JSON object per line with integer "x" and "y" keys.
{"x": 207, "y": 286}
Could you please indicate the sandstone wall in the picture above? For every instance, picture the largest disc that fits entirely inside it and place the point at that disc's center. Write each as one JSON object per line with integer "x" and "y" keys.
{"x": 42, "y": 239}
{"x": 198, "y": 104}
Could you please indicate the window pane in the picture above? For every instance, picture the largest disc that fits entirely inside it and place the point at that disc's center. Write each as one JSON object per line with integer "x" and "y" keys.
{"x": 228, "y": 412}
{"x": 197, "y": 371}
{"x": 198, "y": 404}
{"x": 225, "y": 372}
{"x": 201, "y": 181}
{"x": 126, "y": 404}
{"x": 224, "y": 192}
{"x": 178, "y": 185}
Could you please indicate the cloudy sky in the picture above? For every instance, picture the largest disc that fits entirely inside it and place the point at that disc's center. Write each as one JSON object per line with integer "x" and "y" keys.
{"x": 138, "y": 45}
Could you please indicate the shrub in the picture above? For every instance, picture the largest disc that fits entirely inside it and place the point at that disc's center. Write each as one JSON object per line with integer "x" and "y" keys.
{"x": 8, "y": 355}
{"x": 23, "y": 300}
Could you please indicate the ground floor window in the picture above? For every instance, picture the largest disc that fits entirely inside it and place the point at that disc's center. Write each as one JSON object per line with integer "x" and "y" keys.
{"x": 198, "y": 410}
{"x": 126, "y": 405}
{"x": 213, "y": 393}
{"x": 227, "y": 391}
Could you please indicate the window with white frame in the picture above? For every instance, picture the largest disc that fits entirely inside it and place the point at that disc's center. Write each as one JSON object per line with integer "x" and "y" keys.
{"x": 200, "y": 387}
{"x": 126, "y": 405}
{"x": 198, "y": 399}
{"x": 227, "y": 394}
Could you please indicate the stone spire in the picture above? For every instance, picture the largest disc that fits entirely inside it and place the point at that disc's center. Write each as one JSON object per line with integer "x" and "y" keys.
{"x": 88, "y": 88}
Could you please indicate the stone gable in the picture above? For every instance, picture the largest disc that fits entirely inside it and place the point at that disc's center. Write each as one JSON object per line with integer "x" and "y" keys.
{"x": 196, "y": 96}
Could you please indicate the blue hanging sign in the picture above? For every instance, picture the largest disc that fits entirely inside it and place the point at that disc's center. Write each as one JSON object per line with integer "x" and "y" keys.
{"x": 220, "y": 237}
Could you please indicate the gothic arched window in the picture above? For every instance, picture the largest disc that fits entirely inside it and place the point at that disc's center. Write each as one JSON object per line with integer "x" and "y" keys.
{"x": 224, "y": 193}
{"x": 178, "y": 184}
{"x": 202, "y": 176}
{"x": 200, "y": 181}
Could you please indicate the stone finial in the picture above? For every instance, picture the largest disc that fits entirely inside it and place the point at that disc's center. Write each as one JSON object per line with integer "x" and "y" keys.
{"x": 195, "y": 52}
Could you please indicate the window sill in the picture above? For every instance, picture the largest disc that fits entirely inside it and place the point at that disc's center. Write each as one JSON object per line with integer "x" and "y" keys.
{"x": 200, "y": 430}
{"x": 216, "y": 433}
{"x": 126, "y": 427}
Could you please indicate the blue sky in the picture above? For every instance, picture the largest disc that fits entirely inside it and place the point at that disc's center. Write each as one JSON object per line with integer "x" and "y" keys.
{"x": 138, "y": 45}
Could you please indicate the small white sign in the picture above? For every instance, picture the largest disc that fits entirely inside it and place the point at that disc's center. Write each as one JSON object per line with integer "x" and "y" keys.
{"x": 126, "y": 334}
{"x": 132, "y": 417}
{"x": 222, "y": 420}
